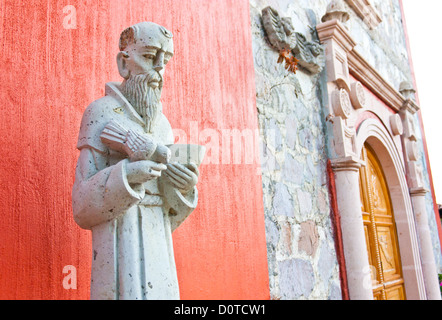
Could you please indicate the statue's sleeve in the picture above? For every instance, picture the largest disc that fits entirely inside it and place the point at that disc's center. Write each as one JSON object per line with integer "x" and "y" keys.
{"x": 101, "y": 195}
{"x": 180, "y": 206}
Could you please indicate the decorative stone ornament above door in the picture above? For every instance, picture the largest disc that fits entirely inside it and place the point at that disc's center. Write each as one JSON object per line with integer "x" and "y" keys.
{"x": 341, "y": 103}
{"x": 282, "y": 36}
{"x": 357, "y": 95}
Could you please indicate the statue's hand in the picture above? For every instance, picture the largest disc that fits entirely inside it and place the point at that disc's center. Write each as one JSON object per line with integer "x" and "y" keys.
{"x": 143, "y": 171}
{"x": 182, "y": 177}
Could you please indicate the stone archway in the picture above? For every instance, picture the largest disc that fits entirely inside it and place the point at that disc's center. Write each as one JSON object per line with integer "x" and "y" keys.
{"x": 373, "y": 133}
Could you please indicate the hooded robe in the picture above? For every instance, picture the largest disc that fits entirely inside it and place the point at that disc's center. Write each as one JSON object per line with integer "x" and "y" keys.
{"x": 131, "y": 224}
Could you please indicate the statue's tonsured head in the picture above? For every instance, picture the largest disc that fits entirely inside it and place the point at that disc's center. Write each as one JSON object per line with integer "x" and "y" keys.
{"x": 143, "y": 31}
{"x": 144, "y": 46}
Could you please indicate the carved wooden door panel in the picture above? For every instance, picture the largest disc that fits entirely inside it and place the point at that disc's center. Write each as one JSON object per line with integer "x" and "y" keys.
{"x": 380, "y": 231}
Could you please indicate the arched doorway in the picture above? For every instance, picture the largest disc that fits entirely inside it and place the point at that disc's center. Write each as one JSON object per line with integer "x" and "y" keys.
{"x": 380, "y": 230}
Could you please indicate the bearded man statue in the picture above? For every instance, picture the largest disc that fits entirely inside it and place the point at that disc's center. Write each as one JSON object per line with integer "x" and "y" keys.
{"x": 126, "y": 190}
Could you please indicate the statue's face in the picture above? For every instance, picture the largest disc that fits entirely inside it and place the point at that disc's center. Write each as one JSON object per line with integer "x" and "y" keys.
{"x": 149, "y": 54}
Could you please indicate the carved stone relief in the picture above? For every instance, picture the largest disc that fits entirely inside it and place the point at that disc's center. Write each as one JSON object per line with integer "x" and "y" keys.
{"x": 282, "y": 36}
{"x": 396, "y": 125}
{"x": 357, "y": 95}
{"x": 341, "y": 103}
{"x": 412, "y": 151}
{"x": 409, "y": 126}
{"x": 345, "y": 138}
{"x": 409, "y": 137}
{"x": 350, "y": 141}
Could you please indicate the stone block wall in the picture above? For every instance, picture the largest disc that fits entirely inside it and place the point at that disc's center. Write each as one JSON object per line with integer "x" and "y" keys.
{"x": 300, "y": 243}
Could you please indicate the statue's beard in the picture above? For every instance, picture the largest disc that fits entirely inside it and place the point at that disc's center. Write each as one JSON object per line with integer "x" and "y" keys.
{"x": 144, "y": 95}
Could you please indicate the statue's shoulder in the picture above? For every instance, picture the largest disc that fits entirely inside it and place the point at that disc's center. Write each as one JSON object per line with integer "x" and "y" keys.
{"x": 102, "y": 107}
{"x": 95, "y": 118}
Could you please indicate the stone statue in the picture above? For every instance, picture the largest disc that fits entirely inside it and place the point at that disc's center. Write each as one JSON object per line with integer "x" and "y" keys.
{"x": 132, "y": 186}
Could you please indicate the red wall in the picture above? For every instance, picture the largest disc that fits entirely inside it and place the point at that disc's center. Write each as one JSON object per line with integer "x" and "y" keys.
{"x": 49, "y": 76}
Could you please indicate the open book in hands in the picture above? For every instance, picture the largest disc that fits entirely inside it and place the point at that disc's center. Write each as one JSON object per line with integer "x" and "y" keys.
{"x": 141, "y": 147}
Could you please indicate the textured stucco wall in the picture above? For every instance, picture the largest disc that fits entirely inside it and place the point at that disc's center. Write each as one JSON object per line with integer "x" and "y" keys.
{"x": 295, "y": 146}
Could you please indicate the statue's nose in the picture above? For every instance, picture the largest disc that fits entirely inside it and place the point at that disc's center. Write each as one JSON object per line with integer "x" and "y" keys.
{"x": 159, "y": 63}
{"x": 158, "y": 67}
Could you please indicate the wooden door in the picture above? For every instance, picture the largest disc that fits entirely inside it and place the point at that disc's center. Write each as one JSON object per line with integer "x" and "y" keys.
{"x": 380, "y": 231}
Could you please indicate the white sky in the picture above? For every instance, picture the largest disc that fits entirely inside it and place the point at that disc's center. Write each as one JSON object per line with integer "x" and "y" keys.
{"x": 422, "y": 18}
